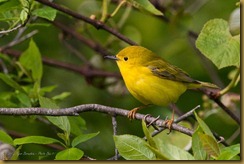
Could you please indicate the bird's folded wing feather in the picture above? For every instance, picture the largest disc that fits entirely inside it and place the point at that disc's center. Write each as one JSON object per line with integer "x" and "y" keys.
{"x": 164, "y": 70}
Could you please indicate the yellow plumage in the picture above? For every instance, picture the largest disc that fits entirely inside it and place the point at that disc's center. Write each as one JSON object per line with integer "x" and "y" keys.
{"x": 151, "y": 79}
{"x": 148, "y": 88}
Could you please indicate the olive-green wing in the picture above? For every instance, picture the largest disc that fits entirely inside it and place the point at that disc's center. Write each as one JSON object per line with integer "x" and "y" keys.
{"x": 165, "y": 70}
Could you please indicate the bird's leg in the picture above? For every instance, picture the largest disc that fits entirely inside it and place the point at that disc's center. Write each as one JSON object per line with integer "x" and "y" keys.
{"x": 171, "y": 121}
{"x": 132, "y": 114}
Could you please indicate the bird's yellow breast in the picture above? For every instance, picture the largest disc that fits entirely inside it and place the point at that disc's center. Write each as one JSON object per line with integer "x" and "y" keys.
{"x": 150, "y": 89}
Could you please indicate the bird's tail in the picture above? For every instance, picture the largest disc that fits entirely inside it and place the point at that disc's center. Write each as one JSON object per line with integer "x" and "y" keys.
{"x": 199, "y": 84}
{"x": 208, "y": 85}
{"x": 207, "y": 88}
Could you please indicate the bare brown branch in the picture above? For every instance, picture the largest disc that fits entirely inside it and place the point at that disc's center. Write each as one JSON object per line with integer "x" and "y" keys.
{"x": 90, "y": 43}
{"x": 96, "y": 23}
{"x": 85, "y": 71}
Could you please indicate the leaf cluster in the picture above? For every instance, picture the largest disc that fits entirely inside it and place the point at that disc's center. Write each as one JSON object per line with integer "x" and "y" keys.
{"x": 204, "y": 146}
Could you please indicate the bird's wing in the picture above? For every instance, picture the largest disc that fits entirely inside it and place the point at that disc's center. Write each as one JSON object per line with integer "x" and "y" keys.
{"x": 165, "y": 70}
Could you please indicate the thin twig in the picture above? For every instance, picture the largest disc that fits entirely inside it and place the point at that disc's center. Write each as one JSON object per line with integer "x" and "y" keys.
{"x": 85, "y": 71}
{"x": 186, "y": 115}
{"x": 74, "y": 111}
{"x": 11, "y": 30}
{"x": 228, "y": 111}
{"x": 233, "y": 136}
{"x": 96, "y": 23}
{"x": 90, "y": 43}
{"x": 19, "y": 40}
{"x": 73, "y": 50}
{"x": 179, "y": 119}
{"x": 114, "y": 123}
{"x": 214, "y": 95}
{"x": 15, "y": 28}
{"x": 3, "y": 66}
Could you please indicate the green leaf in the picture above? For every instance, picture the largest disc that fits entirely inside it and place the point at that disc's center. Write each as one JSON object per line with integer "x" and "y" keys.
{"x": 9, "y": 5}
{"x": 82, "y": 138}
{"x": 197, "y": 148}
{"x": 16, "y": 154}
{"x": 11, "y": 82}
{"x": 1, "y": 1}
{"x": 148, "y": 135}
{"x": 209, "y": 144}
{"x": 25, "y": 3}
{"x": 47, "y": 103}
{"x": 23, "y": 16}
{"x": 61, "y": 122}
{"x": 69, "y": 154}
{"x": 216, "y": 43}
{"x": 31, "y": 60}
{"x": 5, "y": 100}
{"x": 45, "y": 12}
{"x": 24, "y": 99}
{"x": 173, "y": 152}
{"x": 159, "y": 155}
{"x": 36, "y": 140}
{"x": 61, "y": 96}
{"x": 228, "y": 153}
{"x": 204, "y": 126}
{"x": 5, "y": 138}
{"x": 77, "y": 124}
{"x": 145, "y": 5}
{"x": 133, "y": 148}
{"x": 47, "y": 89}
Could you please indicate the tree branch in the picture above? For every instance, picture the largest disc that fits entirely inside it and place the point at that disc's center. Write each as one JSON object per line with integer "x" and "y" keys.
{"x": 19, "y": 40}
{"x": 215, "y": 97}
{"x": 89, "y": 73}
{"x": 179, "y": 119}
{"x": 114, "y": 123}
{"x": 4, "y": 32}
{"x": 85, "y": 71}
{"x": 74, "y": 111}
{"x": 96, "y": 23}
{"x": 13, "y": 29}
{"x": 90, "y": 43}
{"x": 228, "y": 111}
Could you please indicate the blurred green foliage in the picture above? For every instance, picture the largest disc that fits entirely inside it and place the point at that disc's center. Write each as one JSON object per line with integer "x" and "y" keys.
{"x": 169, "y": 39}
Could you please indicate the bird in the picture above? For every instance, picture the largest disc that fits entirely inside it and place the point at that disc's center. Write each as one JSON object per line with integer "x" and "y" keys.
{"x": 152, "y": 80}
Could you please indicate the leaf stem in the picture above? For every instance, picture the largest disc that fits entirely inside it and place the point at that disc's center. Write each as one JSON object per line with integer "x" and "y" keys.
{"x": 117, "y": 8}
{"x": 231, "y": 84}
{"x": 104, "y": 10}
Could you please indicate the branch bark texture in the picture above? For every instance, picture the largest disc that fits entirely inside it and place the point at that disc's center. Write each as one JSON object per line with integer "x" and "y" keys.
{"x": 74, "y": 111}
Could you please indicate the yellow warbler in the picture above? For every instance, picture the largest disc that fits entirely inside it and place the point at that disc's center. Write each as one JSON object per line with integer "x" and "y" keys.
{"x": 151, "y": 79}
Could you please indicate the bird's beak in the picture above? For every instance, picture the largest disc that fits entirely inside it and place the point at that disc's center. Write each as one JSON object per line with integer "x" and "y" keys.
{"x": 111, "y": 57}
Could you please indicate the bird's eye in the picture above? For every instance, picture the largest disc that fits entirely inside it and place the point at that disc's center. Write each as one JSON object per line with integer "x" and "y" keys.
{"x": 125, "y": 58}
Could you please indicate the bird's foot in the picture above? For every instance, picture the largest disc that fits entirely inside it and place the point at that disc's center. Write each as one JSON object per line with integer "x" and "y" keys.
{"x": 168, "y": 123}
{"x": 132, "y": 114}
